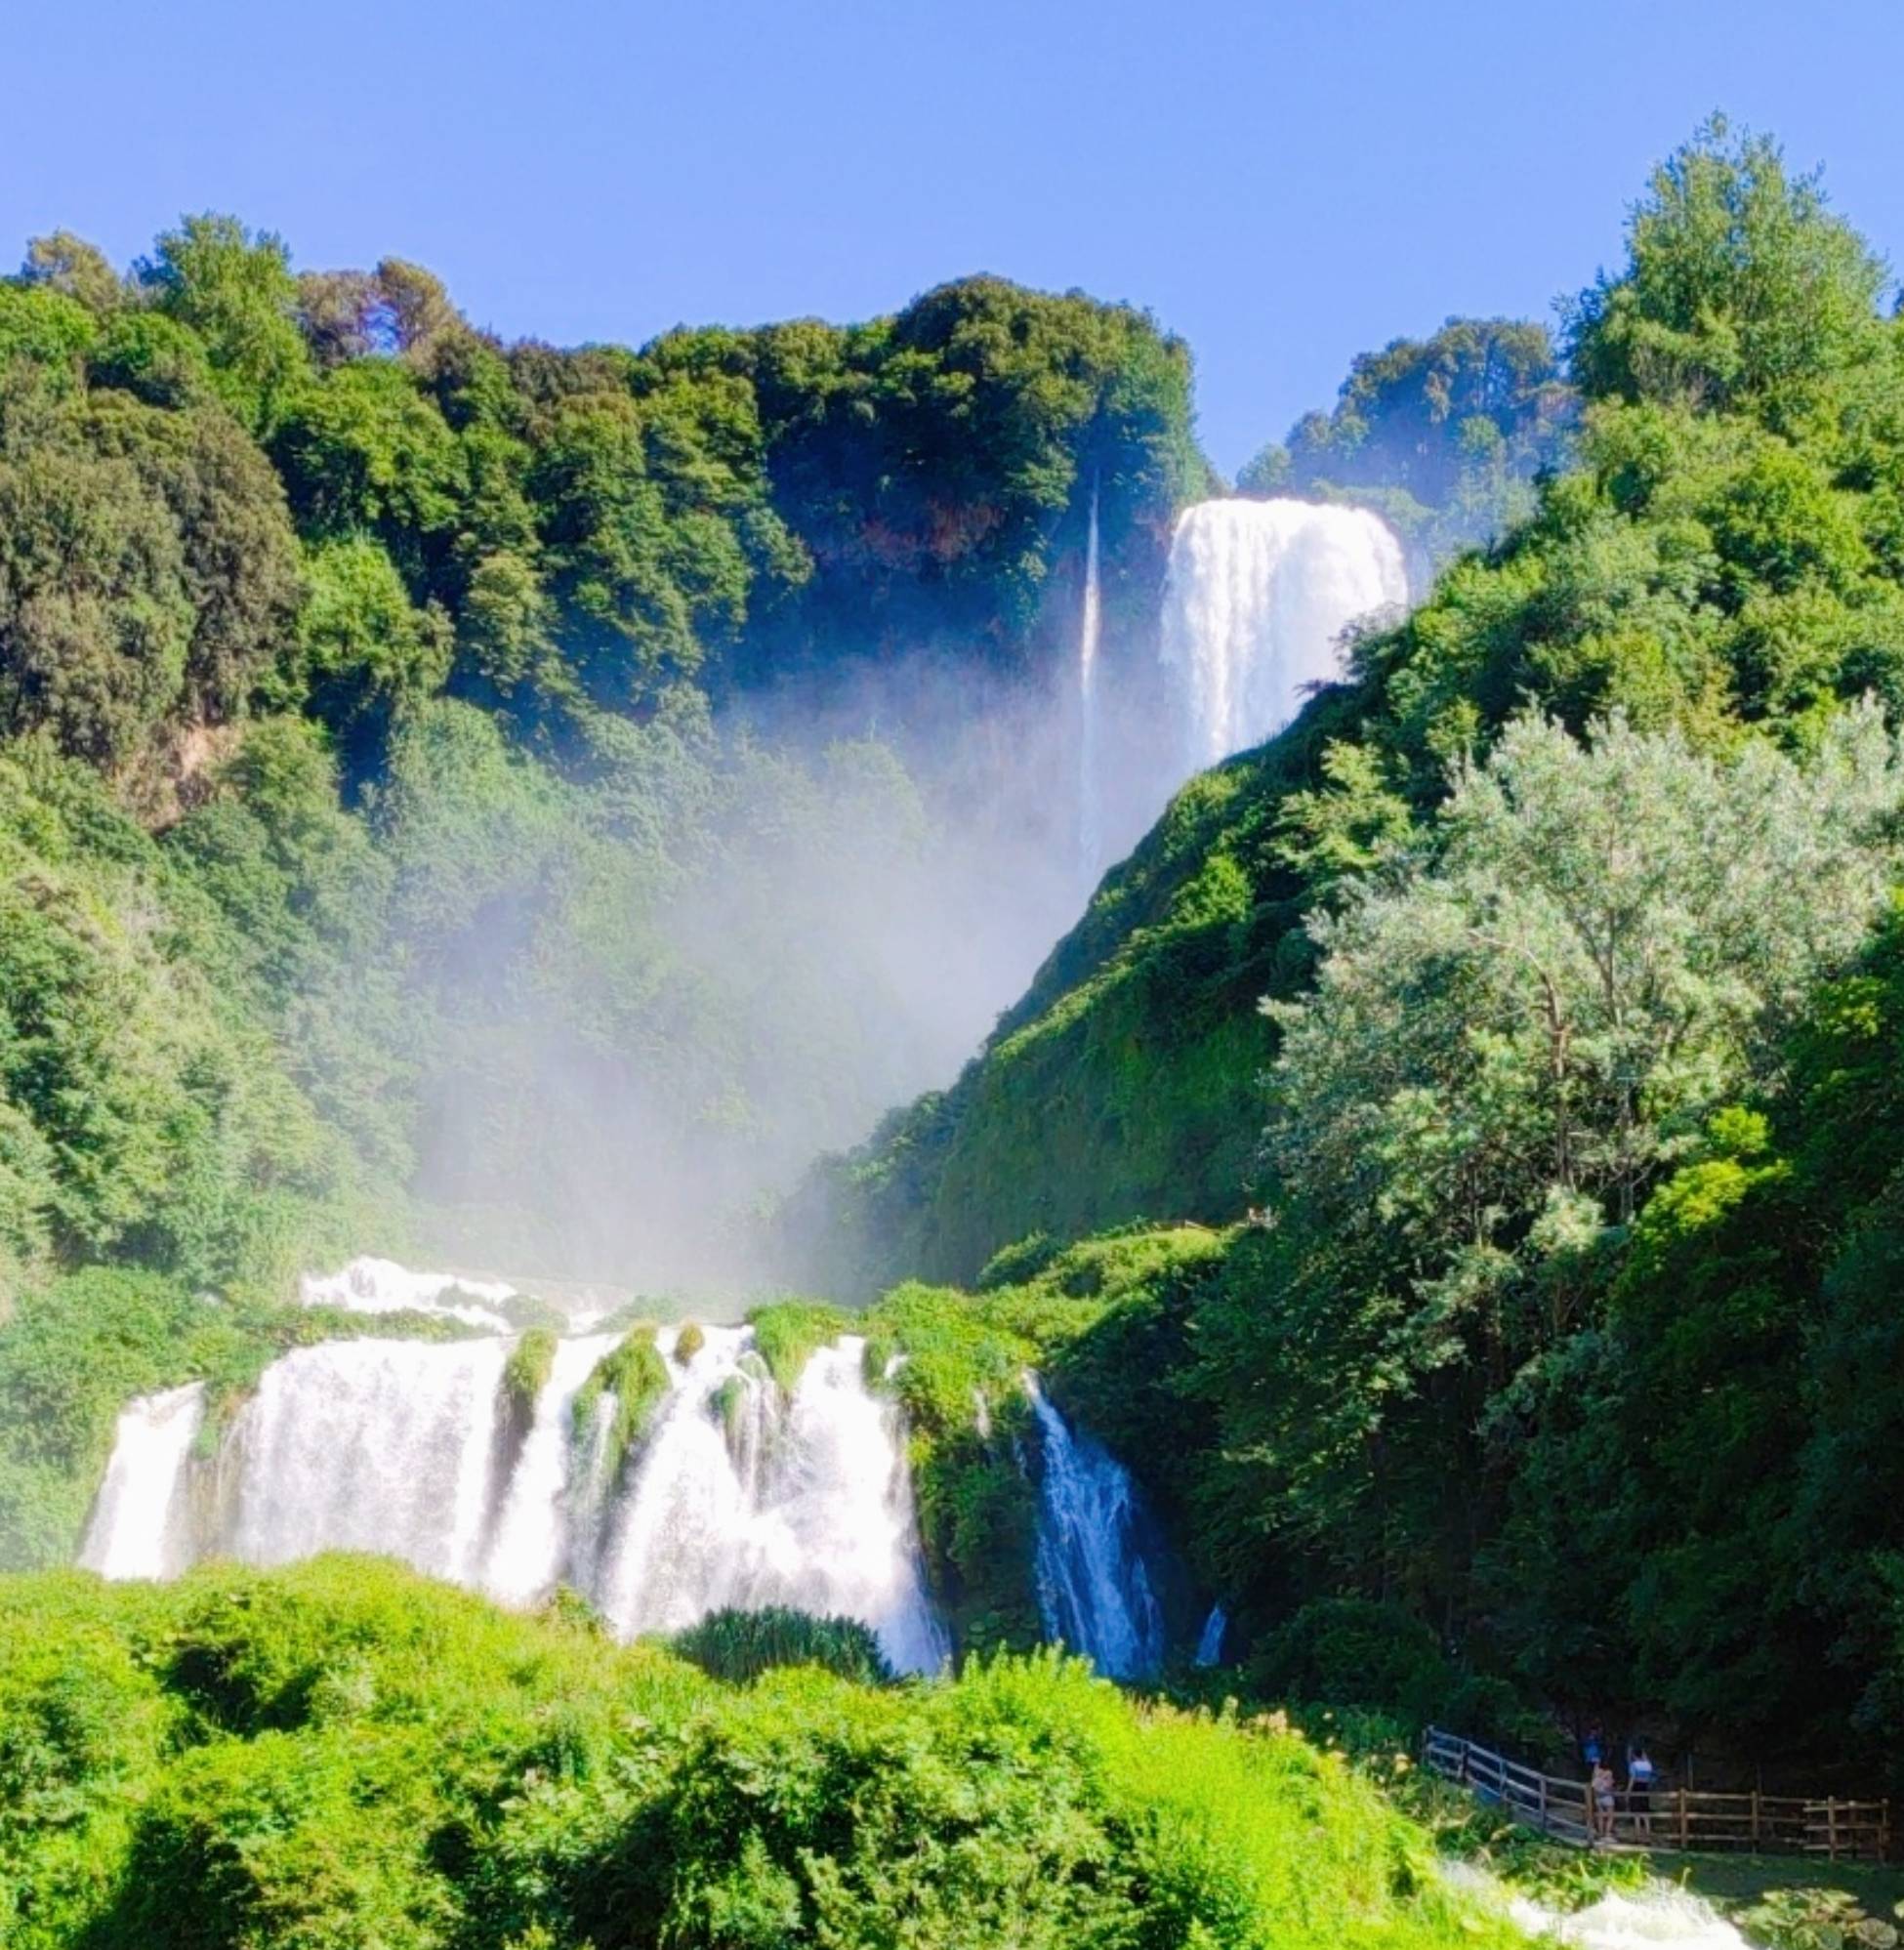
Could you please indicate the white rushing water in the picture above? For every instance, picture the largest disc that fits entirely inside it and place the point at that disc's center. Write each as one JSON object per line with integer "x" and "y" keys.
{"x": 1655, "y": 1917}
{"x": 536, "y": 1524}
{"x": 745, "y": 1501}
{"x": 1095, "y": 1591}
{"x": 1256, "y": 597}
{"x": 1090, "y": 844}
{"x": 738, "y": 1496}
{"x": 369, "y": 1445}
{"x": 141, "y": 1525}
{"x": 369, "y": 1285}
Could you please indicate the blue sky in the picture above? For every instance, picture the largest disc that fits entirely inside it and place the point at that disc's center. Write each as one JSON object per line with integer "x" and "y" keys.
{"x": 1284, "y": 185}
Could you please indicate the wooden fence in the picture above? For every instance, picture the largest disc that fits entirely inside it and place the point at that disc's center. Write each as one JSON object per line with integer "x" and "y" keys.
{"x": 1671, "y": 1817}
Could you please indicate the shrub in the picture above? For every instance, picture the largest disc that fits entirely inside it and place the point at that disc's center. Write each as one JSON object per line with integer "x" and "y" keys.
{"x": 789, "y": 1332}
{"x": 741, "y": 1645}
{"x": 346, "y": 1753}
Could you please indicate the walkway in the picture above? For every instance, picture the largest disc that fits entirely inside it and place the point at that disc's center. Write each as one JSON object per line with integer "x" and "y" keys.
{"x": 1677, "y": 1818}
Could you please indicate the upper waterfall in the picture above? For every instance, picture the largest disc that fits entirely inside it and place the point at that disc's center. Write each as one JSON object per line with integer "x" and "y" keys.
{"x": 1256, "y": 597}
{"x": 1090, "y": 624}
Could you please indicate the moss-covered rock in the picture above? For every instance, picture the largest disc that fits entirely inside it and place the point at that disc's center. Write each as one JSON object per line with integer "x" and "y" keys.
{"x": 634, "y": 1374}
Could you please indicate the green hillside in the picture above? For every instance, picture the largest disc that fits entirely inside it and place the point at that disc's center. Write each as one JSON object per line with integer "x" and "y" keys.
{"x": 1550, "y": 1344}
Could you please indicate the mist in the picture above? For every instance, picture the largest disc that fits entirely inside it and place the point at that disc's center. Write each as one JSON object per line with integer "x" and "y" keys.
{"x": 731, "y": 948}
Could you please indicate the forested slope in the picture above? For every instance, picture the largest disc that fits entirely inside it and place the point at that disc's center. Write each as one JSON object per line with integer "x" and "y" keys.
{"x": 357, "y": 680}
{"x": 1552, "y": 1332}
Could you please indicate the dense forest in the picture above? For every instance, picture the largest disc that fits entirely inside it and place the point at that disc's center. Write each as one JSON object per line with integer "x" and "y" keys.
{"x": 446, "y": 789}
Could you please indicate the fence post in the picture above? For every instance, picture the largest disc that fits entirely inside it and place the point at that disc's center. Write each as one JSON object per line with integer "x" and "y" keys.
{"x": 1684, "y": 1829}
{"x": 1544, "y": 1827}
{"x": 1754, "y": 1821}
{"x": 1831, "y": 1826}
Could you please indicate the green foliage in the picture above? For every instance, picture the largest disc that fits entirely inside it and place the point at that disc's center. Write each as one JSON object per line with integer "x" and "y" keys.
{"x": 345, "y": 1752}
{"x": 1100, "y": 1322}
{"x": 234, "y": 290}
{"x": 144, "y": 1113}
{"x": 366, "y": 649}
{"x": 1441, "y": 437}
{"x": 1816, "y": 1918}
{"x": 1348, "y": 1651}
{"x": 526, "y": 1371}
{"x": 634, "y": 1376}
{"x": 789, "y": 1332}
{"x": 1565, "y": 1322}
{"x": 1740, "y": 289}
{"x": 740, "y": 1646}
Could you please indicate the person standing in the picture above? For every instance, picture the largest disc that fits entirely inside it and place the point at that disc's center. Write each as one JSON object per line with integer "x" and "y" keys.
{"x": 1603, "y": 1791}
{"x": 1640, "y": 1775}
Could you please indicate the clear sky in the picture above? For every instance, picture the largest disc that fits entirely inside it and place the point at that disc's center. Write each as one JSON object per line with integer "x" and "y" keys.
{"x": 1285, "y": 185}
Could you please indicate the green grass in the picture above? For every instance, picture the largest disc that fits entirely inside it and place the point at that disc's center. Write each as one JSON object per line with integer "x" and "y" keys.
{"x": 526, "y": 1371}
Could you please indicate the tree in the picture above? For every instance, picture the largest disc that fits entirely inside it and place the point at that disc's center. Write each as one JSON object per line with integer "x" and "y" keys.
{"x": 95, "y": 618}
{"x": 70, "y": 265}
{"x": 1740, "y": 288}
{"x": 234, "y": 289}
{"x": 241, "y": 572}
{"x": 1441, "y": 436}
{"x": 1510, "y": 1036}
{"x": 367, "y": 650}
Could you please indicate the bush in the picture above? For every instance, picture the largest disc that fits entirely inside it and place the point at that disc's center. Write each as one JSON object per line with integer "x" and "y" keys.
{"x": 789, "y": 1332}
{"x": 346, "y": 1753}
{"x": 741, "y": 1645}
{"x": 1351, "y": 1651}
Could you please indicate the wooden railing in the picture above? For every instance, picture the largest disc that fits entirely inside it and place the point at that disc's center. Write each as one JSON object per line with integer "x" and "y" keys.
{"x": 1669, "y": 1817}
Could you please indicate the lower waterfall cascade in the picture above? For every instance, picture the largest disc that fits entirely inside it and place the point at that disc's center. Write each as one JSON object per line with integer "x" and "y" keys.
{"x": 737, "y": 1494}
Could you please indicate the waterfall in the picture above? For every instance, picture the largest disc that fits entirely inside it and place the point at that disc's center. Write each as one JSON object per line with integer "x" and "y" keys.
{"x": 370, "y": 1285}
{"x": 369, "y": 1445}
{"x": 1210, "y": 1640}
{"x": 1096, "y": 1591}
{"x": 141, "y": 1525}
{"x": 533, "y": 1543}
{"x": 1090, "y": 628}
{"x": 1256, "y": 595}
{"x": 745, "y": 1501}
{"x": 738, "y": 1496}
{"x": 1653, "y": 1916}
